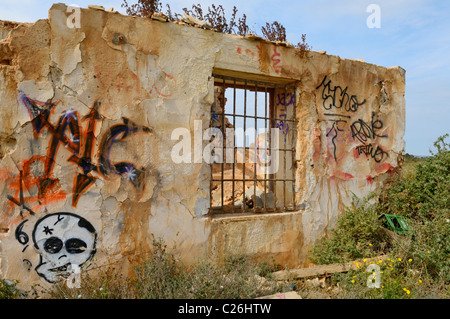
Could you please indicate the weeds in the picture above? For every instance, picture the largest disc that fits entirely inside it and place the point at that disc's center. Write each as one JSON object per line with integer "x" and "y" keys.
{"x": 163, "y": 276}
{"x": 106, "y": 284}
{"x": 356, "y": 235}
{"x": 421, "y": 267}
{"x": 216, "y": 17}
{"x": 8, "y": 290}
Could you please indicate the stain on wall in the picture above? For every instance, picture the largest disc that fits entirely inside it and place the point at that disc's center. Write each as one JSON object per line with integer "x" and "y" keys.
{"x": 86, "y": 174}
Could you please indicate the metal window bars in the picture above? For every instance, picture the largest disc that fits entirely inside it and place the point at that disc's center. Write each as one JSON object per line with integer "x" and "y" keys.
{"x": 270, "y": 190}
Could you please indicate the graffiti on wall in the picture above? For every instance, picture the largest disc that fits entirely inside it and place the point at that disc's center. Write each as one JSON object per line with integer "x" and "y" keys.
{"x": 334, "y": 97}
{"x": 64, "y": 242}
{"x": 276, "y": 60}
{"x": 367, "y": 135}
{"x": 24, "y": 188}
{"x": 339, "y": 108}
{"x": 282, "y": 101}
{"x": 68, "y": 133}
{"x": 333, "y": 133}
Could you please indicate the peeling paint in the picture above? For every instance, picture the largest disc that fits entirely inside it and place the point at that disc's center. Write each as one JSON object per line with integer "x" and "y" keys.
{"x": 85, "y": 132}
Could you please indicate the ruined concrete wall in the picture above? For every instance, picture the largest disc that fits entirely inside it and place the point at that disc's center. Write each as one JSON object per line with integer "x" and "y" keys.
{"x": 87, "y": 115}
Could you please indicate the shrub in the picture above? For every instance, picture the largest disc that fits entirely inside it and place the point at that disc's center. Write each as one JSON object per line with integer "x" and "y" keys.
{"x": 423, "y": 270}
{"x": 163, "y": 276}
{"x": 105, "y": 284}
{"x": 8, "y": 289}
{"x": 216, "y": 17}
{"x": 356, "y": 235}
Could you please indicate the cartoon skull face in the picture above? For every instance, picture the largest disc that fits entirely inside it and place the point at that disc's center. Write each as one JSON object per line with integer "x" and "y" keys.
{"x": 63, "y": 239}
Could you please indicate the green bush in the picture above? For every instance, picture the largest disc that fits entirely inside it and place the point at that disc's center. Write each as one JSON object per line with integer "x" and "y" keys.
{"x": 425, "y": 194}
{"x": 356, "y": 235}
{"x": 422, "y": 198}
{"x": 8, "y": 290}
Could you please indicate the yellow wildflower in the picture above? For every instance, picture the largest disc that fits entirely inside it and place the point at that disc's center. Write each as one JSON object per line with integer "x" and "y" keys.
{"x": 409, "y": 259}
{"x": 370, "y": 244}
{"x": 399, "y": 259}
{"x": 353, "y": 281}
{"x": 420, "y": 281}
{"x": 428, "y": 251}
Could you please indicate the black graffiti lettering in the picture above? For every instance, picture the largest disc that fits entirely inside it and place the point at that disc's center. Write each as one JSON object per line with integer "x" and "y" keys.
{"x": 21, "y": 236}
{"x": 337, "y": 115}
{"x": 21, "y": 201}
{"x": 376, "y": 153}
{"x": 365, "y": 132}
{"x": 337, "y": 97}
{"x": 117, "y": 133}
{"x": 335, "y": 130}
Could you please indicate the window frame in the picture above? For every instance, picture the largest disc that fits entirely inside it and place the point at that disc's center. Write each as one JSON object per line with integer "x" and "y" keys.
{"x": 270, "y": 90}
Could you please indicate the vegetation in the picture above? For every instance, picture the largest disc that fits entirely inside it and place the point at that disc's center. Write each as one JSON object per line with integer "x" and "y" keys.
{"x": 416, "y": 264}
{"x": 163, "y": 276}
{"x": 419, "y": 263}
{"x": 8, "y": 290}
{"x": 216, "y": 17}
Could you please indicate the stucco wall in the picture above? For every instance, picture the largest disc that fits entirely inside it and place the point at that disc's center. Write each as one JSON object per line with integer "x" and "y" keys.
{"x": 85, "y": 141}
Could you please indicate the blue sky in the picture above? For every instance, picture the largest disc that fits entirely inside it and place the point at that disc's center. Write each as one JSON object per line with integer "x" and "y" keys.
{"x": 414, "y": 34}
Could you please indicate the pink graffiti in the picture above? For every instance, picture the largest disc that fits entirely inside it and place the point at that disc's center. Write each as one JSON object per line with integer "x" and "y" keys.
{"x": 276, "y": 61}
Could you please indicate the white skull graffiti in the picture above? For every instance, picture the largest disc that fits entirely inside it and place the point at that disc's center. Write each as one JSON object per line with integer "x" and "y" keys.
{"x": 63, "y": 240}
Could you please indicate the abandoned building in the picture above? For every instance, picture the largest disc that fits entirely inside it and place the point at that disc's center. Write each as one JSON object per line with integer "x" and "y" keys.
{"x": 122, "y": 130}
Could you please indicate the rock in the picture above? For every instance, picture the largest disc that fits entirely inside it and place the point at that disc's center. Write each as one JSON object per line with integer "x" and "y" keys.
{"x": 270, "y": 199}
{"x": 260, "y": 281}
{"x": 314, "y": 283}
{"x": 160, "y": 17}
{"x": 96, "y": 7}
{"x": 322, "y": 282}
{"x": 193, "y": 21}
{"x": 282, "y": 295}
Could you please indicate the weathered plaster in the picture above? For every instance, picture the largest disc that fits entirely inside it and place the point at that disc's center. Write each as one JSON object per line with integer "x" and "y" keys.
{"x": 127, "y": 83}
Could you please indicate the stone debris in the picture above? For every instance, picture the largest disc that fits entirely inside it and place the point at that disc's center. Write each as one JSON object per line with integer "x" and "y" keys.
{"x": 282, "y": 295}
{"x": 193, "y": 21}
{"x": 316, "y": 282}
{"x": 254, "y": 197}
{"x": 160, "y": 17}
{"x": 322, "y": 270}
{"x": 95, "y": 7}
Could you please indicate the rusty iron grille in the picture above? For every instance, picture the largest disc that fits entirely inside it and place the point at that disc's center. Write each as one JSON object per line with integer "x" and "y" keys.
{"x": 254, "y": 172}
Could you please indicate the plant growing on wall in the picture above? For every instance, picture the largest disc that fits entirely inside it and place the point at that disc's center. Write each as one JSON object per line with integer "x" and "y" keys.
{"x": 216, "y": 17}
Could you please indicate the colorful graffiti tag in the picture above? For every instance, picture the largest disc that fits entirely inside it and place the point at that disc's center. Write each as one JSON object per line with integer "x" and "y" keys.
{"x": 68, "y": 132}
